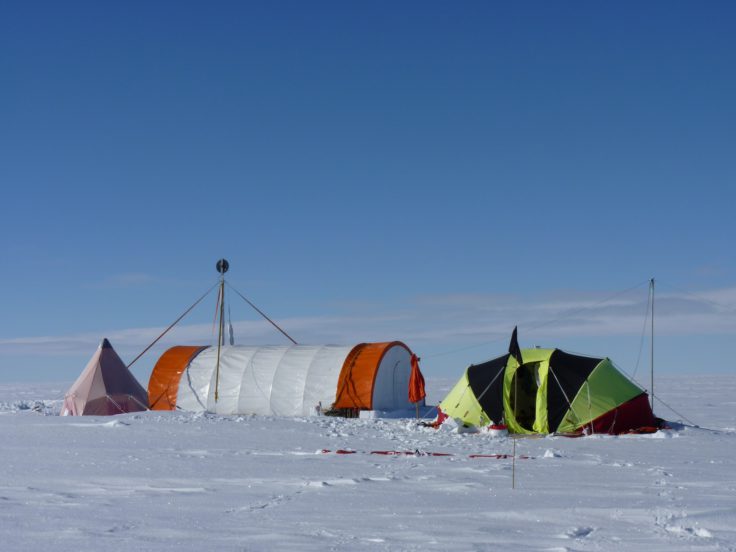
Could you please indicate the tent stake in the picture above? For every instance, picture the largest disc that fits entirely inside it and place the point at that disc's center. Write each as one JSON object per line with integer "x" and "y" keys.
{"x": 513, "y": 464}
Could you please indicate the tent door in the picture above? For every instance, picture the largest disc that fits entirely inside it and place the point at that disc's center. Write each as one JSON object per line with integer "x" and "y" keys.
{"x": 524, "y": 386}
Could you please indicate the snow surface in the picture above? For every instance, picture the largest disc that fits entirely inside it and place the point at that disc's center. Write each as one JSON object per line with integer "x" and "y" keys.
{"x": 180, "y": 481}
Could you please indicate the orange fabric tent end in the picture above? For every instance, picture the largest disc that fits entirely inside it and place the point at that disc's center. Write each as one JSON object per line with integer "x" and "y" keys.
{"x": 358, "y": 376}
{"x": 164, "y": 383}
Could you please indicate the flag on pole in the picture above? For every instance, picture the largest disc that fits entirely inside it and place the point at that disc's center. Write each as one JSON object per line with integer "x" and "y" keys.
{"x": 416, "y": 381}
{"x": 514, "y": 350}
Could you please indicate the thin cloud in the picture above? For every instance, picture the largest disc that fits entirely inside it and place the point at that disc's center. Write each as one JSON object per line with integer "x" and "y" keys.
{"x": 443, "y": 320}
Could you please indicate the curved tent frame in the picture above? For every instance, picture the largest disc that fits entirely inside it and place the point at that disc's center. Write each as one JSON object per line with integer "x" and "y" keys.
{"x": 551, "y": 391}
{"x": 283, "y": 380}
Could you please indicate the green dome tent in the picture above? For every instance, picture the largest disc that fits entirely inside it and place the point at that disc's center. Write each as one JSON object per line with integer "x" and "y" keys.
{"x": 550, "y": 391}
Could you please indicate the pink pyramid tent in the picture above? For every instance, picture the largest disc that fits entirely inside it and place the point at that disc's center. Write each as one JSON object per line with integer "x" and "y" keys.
{"x": 105, "y": 387}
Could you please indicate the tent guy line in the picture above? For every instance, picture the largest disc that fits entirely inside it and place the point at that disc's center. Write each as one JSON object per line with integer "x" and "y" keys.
{"x": 536, "y": 326}
{"x": 197, "y": 302}
{"x": 259, "y": 311}
{"x": 650, "y": 297}
{"x": 696, "y": 296}
{"x": 221, "y": 282}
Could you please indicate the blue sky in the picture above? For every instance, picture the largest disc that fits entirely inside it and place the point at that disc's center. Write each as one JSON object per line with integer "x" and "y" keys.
{"x": 433, "y": 172}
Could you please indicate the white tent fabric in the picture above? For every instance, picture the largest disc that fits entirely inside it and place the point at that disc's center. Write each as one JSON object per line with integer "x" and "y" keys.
{"x": 105, "y": 387}
{"x": 275, "y": 380}
{"x": 390, "y": 391}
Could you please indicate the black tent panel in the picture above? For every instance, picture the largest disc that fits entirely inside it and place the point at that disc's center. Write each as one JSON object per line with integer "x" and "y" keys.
{"x": 569, "y": 372}
{"x": 486, "y": 382}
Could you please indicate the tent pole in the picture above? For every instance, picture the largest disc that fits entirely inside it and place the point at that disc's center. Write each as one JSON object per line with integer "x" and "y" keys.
{"x": 513, "y": 464}
{"x": 219, "y": 337}
{"x": 222, "y": 267}
{"x": 651, "y": 352}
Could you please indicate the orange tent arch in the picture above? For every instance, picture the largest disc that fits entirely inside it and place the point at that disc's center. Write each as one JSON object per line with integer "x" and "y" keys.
{"x": 164, "y": 383}
{"x": 356, "y": 385}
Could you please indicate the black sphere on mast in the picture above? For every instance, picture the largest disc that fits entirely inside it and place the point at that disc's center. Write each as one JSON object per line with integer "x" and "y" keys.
{"x": 222, "y": 266}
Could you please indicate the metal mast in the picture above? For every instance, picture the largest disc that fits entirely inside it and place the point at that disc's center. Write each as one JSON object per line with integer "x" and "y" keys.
{"x": 222, "y": 266}
{"x": 651, "y": 351}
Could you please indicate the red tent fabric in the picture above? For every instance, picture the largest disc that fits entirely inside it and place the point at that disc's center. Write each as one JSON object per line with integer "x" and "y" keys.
{"x": 416, "y": 382}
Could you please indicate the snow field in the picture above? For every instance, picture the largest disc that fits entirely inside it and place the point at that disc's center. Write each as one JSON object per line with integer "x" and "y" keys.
{"x": 181, "y": 481}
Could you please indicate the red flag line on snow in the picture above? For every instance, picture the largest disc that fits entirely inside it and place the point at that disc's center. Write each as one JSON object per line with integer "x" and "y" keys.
{"x": 420, "y": 453}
